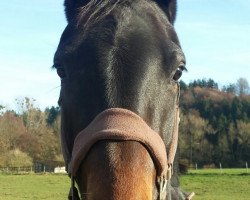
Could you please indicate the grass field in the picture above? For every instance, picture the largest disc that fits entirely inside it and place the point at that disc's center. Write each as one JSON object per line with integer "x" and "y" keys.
{"x": 207, "y": 184}
{"x": 34, "y": 187}
{"x": 215, "y": 184}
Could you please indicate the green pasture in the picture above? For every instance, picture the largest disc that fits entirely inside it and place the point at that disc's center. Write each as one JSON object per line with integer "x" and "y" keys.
{"x": 216, "y": 184}
{"x": 34, "y": 187}
{"x": 207, "y": 184}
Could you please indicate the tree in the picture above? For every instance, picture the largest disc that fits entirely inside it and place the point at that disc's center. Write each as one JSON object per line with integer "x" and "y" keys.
{"x": 242, "y": 86}
{"x": 226, "y": 115}
{"x": 237, "y": 109}
{"x": 192, "y": 132}
{"x": 211, "y": 84}
{"x": 183, "y": 85}
{"x": 53, "y": 113}
{"x": 243, "y": 135}
{"x": 231, "y": 88}
{"x": 1, "y": 109}
{"x": 204, "y": 83}
{"x": 11, "y": 127}
{"x": 44, "y": 145}
{"x": 54, "y": 119}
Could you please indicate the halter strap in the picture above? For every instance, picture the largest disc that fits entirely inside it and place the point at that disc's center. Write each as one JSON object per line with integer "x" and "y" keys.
{"x": 163, "y": 180}
{"x": 122, "y": 125}
{"x": 163, "y": 175}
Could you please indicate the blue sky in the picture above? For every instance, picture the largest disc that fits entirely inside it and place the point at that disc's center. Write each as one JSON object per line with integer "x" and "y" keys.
{"x": 215, "y": 37}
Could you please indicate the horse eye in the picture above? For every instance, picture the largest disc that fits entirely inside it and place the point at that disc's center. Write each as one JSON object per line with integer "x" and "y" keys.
{"x": 178, "y": 74}
{"x": 179, "y": 71}
{"x": 61, "y": 72}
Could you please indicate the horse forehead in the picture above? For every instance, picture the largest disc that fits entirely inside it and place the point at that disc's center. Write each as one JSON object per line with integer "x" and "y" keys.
{"x": 146, "y": 17}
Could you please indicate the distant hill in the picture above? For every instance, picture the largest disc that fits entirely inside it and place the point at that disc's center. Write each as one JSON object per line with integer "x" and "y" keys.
{"x": 215, "y": 123}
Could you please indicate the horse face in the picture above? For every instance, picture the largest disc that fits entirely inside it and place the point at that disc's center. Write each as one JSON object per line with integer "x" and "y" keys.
{"x": 122, "y": 54}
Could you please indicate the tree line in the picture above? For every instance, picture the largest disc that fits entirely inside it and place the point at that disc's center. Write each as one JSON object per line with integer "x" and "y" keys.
{"x": 215, "y": 123}
{"x": 29, "y": 136}
{"x": 214, "y": 128}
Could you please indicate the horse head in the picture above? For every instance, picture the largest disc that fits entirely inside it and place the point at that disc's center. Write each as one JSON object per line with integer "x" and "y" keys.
{"x": 119, "y": 62}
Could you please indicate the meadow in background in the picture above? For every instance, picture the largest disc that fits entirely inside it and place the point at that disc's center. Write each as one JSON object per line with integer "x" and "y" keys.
{"x": 208, "y": 184}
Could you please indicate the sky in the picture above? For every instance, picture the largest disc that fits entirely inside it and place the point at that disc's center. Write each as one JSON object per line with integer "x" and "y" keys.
{"x": 215, "y": 37}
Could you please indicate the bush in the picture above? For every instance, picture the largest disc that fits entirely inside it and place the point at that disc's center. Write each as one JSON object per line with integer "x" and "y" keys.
{"x": 183, "y": 166}
{"x": 17, "y": 158}
{"x": 209, "y": 166}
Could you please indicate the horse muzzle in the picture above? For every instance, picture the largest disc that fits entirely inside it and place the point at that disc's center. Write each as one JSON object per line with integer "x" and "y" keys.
{"x": 124, "y": 125}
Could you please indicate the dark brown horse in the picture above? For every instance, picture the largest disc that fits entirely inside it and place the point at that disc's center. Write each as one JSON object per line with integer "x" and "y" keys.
{"x": 125, "y": 55}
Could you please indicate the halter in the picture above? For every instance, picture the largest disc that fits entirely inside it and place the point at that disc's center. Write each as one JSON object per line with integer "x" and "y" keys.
{"x": 124, "y": 125}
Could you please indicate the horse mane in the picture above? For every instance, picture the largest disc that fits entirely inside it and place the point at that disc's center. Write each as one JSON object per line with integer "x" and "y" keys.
{"x": 75, "y": 7}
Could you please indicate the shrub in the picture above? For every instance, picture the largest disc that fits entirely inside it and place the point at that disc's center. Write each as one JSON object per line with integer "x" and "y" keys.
{"x": 17, "y": 158}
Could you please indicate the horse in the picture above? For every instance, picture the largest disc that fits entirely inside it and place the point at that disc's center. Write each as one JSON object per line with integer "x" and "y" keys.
{"x": 119, "y": 62}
